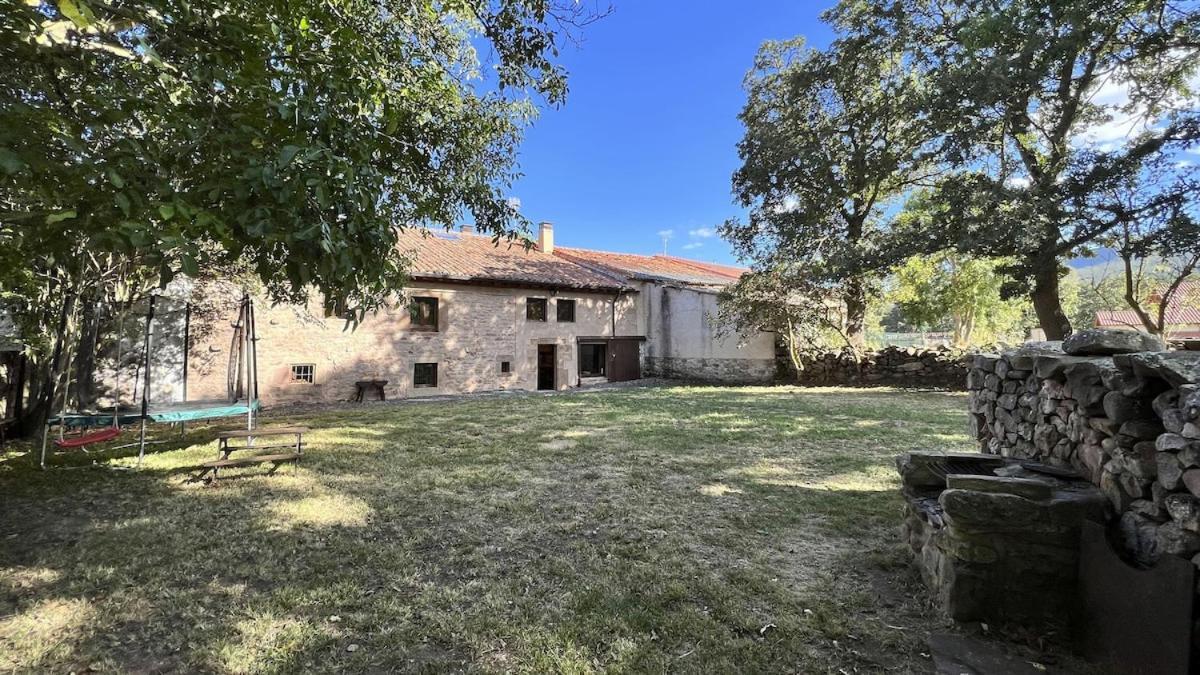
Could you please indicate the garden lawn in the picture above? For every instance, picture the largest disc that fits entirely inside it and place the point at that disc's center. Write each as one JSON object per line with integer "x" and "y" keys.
{"x": 638, "y": 529}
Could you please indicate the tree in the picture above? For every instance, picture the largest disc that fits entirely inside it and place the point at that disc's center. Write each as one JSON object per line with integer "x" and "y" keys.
{"x": 1158, "y": 243}
{"x": 805, "y": 315}
{"x": 831, "y": 139}
{"x": 293, "y": 137}
{"x": 1016, "y": 88}
{"x": 959, "y": 291}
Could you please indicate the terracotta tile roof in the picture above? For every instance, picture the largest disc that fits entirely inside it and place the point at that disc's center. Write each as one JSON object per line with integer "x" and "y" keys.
{"x": 1128, "y": 318}
{"x": 1184, "y": 309}
{"x": 654, "y": 267}
{"x": 470, "y": 258}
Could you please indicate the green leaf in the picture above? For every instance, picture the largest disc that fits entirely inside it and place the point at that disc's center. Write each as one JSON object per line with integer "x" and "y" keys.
{"x": 60, "y": 216}
{"x": 288, "y": 153}
{"x": 77, "y": 11}
{"x": 167, "y": 211}
{"x": 115, "y": 179}
{"x": 189, "y": 266}
{"x": 122, "y": 202}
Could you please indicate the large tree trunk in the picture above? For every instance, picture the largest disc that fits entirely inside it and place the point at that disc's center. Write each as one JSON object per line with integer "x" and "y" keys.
{"x": 855, "y": 299}
{"x": 46, "y": 373}
{"x": 1046, "y": 302}
{"x": 83, "y": 384}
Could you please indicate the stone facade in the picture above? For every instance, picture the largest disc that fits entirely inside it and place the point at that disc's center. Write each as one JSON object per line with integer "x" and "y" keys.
{"x": 479, "y": 329}
{"x": 943, "y": 368}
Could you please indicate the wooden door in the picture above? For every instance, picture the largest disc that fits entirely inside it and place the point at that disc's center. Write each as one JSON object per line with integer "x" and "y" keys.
{"x": 624, "y": 362}
{"x": 546, "y": 364}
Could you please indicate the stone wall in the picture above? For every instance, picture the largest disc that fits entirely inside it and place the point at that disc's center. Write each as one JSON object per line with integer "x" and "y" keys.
{"x": 904, "y": 366}
{"x": 1124, "y": 417}
{"x": 722, "y": 370}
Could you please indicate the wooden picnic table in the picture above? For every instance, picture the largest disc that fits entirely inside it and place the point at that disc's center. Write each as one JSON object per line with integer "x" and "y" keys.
{"x": 251, "y": 442}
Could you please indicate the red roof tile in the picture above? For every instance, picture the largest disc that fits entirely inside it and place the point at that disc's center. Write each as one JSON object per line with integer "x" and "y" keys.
{"x": 471, "y": 258}
{"x": 1128, "y": 318}
{"x": 1184, "y": 309}
{"x": 654, "y": 267}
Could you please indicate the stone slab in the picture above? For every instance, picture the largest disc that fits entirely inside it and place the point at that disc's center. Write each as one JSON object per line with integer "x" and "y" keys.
{"x": 1022, "y": 487}
{"x": 1102, "y": 341}
{"x": 1176, "y": 368}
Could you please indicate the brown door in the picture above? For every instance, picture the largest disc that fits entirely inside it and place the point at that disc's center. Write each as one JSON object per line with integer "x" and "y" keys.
{"x": 545, "y": 366}
{"x": 624, "y": 362}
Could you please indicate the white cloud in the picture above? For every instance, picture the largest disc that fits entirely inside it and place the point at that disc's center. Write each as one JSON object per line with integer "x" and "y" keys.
{"x": 702, "y": 232}
{"x": 1128, "y": 120}
{"x": 1183, "y": 163}
{"x": 1017, "y": 182}
{"x": 694, "y": 244}
{"x": 666, "y": 234}
{"x": 790, "y": 203}
{"x": 514, "y": 203}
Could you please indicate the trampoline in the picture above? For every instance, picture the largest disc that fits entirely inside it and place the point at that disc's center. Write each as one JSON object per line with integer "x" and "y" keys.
{"x": 242, "y": 393}
{"x": 172, "y": 413}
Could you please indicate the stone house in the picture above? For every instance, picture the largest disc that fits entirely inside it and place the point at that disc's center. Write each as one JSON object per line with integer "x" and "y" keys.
{"x": 478, "y": 316}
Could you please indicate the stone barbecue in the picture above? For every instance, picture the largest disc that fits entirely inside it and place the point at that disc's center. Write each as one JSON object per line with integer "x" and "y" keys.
{"x": 996, "y": 538}
{"x": 1105, "y": 427}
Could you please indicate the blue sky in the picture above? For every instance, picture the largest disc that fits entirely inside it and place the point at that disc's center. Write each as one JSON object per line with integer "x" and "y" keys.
{"x": 646, "y": 140}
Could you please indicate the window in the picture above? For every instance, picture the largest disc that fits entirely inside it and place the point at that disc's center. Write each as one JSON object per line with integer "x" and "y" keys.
{"x": 505, "y": 367}
{"x": 566, "y": 310}
{"x": 304, "y": 372}
{"x": 424, "y": 374}
{"x": 535, "y": 309}
{"x": 592, "y": 357}
{"x": 424, "y": 313}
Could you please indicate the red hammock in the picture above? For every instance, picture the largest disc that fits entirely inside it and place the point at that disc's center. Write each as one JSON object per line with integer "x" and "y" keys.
{"x": 87, "y": 439}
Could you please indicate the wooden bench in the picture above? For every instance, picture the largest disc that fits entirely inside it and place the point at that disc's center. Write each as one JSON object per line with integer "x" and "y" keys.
{"x": 251, "y": 436}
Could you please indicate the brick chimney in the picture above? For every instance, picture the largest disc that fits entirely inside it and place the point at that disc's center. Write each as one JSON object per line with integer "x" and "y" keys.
{"x": 466, "y": 229}
{"x": 546, "y": 237}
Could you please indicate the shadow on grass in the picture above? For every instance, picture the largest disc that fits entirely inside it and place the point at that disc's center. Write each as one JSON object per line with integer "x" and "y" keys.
{"x": 461, "y": 537}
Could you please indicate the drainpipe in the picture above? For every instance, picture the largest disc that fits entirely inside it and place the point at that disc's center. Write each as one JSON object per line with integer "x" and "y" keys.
{"x": 616, "y": 296}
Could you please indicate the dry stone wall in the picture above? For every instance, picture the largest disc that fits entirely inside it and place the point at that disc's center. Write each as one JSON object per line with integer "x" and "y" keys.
{"x": 941, "y": 367}
{"x": 1113, "y": 407}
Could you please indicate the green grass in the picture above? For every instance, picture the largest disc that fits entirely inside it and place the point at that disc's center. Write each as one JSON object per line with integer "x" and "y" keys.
{"x": 657, "y": 529}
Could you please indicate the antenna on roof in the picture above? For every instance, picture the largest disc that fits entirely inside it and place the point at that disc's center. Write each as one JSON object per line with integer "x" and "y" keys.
{"x": 666, "y": 236}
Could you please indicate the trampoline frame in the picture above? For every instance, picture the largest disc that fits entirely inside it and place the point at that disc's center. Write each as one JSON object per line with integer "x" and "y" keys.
{"x": 185, "y": 411}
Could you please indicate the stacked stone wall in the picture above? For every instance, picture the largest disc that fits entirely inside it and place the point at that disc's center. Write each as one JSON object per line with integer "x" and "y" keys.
{"x": 1127, "y": 422}
{"x": 942, "y": 367}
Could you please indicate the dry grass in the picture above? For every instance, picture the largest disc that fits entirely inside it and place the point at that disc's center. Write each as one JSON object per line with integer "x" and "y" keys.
{"x": 648, "y": 530}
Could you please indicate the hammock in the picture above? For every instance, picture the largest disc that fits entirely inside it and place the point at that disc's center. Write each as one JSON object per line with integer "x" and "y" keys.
{"x": 87, "y": 439}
